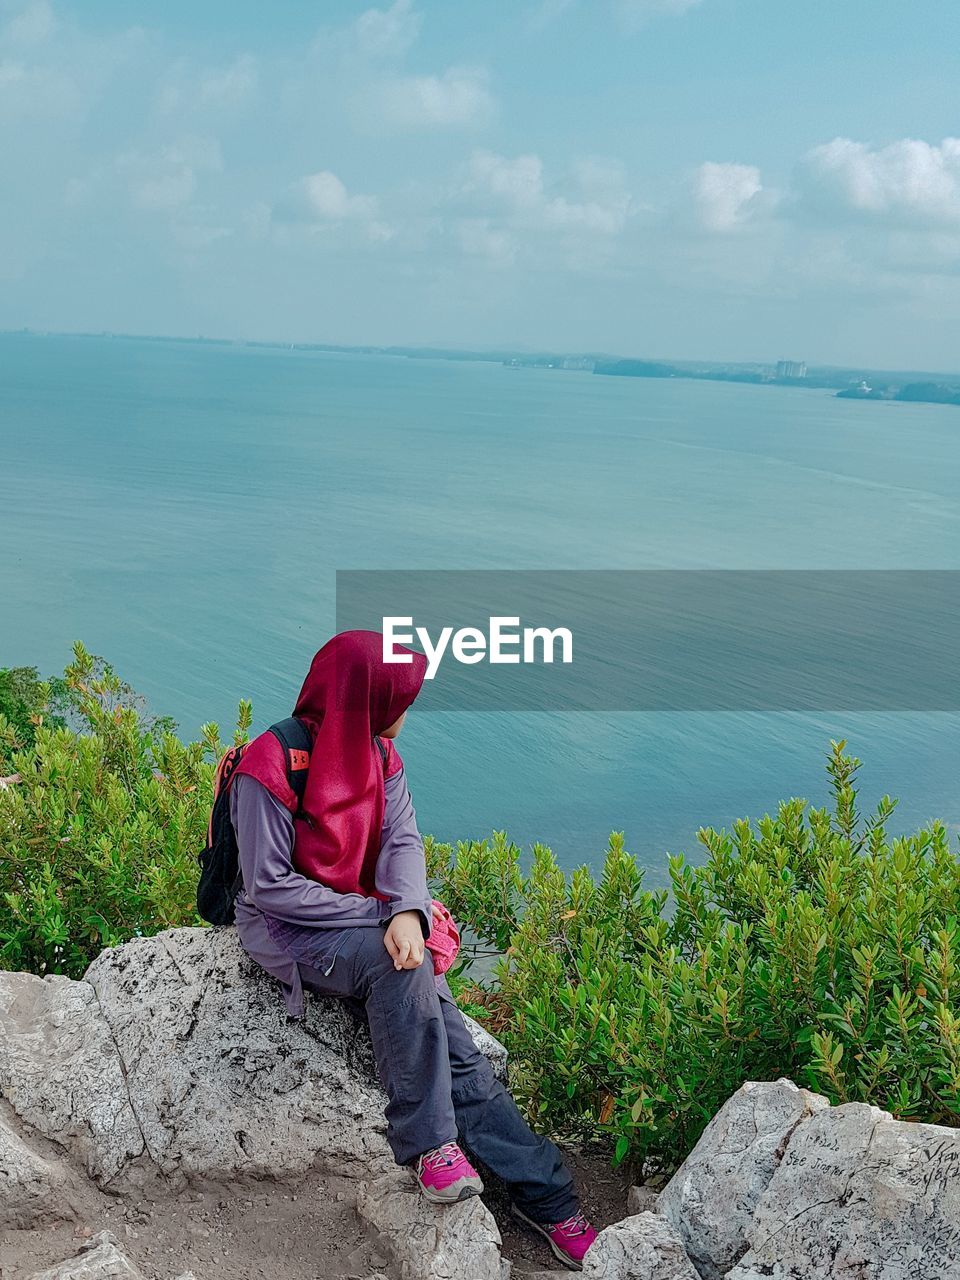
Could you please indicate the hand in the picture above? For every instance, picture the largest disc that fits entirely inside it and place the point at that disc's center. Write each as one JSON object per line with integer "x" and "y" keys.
{"x": 404, "y": 940}
{"x": 437, "y": 912}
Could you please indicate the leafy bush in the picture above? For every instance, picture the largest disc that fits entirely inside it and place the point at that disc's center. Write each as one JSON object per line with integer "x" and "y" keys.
{"x": 809, "y": 944}
{"x": 98, "y": 840}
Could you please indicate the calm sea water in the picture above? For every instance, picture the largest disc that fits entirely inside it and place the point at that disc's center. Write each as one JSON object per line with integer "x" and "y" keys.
{"x": 182, "y": 510}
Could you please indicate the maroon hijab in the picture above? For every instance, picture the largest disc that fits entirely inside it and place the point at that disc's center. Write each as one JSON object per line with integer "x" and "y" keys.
{"x": 349, "y": 696}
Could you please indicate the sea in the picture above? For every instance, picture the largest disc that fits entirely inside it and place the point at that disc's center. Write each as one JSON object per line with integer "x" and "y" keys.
{"x": 182, "y": 509}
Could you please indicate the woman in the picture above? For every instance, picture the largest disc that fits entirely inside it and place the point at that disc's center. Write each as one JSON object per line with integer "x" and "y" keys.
{"x": 335, "y": 898}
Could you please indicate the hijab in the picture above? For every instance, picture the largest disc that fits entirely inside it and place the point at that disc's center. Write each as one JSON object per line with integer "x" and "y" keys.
{"x": 349, "y": 696}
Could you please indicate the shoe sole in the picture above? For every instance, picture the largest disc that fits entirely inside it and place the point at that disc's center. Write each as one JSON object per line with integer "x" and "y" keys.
{"x": 560, "y": 1256}
{"x": 465, "y": 1193}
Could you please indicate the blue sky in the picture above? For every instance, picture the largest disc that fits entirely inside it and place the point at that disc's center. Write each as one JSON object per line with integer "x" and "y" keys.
{"x": 718, "y": 179}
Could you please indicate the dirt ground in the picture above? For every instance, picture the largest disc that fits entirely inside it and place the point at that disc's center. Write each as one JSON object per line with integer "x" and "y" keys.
{"x": 258, "y": 1230}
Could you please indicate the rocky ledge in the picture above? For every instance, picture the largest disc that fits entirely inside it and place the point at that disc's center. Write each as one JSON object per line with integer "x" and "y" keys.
{"x": 172, "y": 1069}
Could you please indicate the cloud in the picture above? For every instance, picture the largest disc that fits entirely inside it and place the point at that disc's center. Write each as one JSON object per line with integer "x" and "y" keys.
{"x": 168, "y": 179}
{"x": 477, "y": 237}
{"x": 506, "y": 200}
{"x": 726, "y": 195}
{"x": 51, "y": 70}
{"x": 459, "y": 96}
{"x": 516, "y": 186}
{"x": 187, "y": 90}
{"x": 230, "y": 84}
{"x": 33, "y": 24}
{"x": 387, "y": 33}
{"x": 908, "y": 182}
{"x": 329, "y": 201}
{"x": 629, "y": 13}
{"x": 633, "y": 13}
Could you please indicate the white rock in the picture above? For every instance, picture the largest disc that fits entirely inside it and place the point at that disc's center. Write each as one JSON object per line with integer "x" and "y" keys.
{"x": 220, "y": 1081}
{"x": 643, "y": 1247}
{"x": 860, "y": 1194}
{"x": 711, "y": 1199}
{"x": 431, "y": 1242}
{"x": 98, "y": 1259}
{"x": 642, "y": 1199}
{"x": 175, "y": 1052}
{"x": 61, "y": 1072}
{"x": 33, "y": 1189}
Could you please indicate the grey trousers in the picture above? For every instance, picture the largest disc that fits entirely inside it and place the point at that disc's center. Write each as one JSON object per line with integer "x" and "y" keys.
{"x": 439, "y": 1087}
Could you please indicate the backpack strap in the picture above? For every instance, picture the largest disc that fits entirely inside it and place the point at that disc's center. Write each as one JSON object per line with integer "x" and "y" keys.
{"x": 297, "y": 742}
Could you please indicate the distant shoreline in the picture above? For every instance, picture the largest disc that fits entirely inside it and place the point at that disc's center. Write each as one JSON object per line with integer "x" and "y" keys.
{"x": 914, "y": 387}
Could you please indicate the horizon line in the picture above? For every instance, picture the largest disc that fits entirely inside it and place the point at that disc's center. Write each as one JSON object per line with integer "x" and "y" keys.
{"x": 480, "y": 352}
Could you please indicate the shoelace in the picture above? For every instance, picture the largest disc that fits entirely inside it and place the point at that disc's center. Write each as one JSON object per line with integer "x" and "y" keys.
{"x": 576, "y": 1225}
{"x": 443, "y": 1155}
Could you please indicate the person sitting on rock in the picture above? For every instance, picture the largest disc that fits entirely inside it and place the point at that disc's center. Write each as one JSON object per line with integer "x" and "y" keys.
{"x": 335, "y": 898}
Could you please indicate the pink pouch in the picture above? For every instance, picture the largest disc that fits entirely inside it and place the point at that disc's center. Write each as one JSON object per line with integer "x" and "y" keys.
{"x": 444, "y": 940}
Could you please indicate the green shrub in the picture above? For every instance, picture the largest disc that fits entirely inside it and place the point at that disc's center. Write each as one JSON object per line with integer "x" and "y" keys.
{"x": 98, "y": 840}
{"x": 809, "y": 944}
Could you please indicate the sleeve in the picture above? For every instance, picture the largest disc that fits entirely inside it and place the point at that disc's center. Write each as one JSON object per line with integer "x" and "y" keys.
{"x": 264, "y": 830}
{"x": 401, "y": 874}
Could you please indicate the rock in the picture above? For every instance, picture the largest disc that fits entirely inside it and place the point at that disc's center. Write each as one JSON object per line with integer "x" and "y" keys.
{"x": 431, "y": 1242}
{"x": 489, "y": 1046}
{"x": 860, "y": 1194}
{"x": 98, "y": 1259}
{"x": 32, "y": 1188}
{"x": 61, "y": 1072}
{"x": 711, "y": 1199}
{"x": 175, "y": 1054}
{"x": 643, "y": 1247}
{"x": 220, "y": 1081}
{"x": 642, "y": 1199}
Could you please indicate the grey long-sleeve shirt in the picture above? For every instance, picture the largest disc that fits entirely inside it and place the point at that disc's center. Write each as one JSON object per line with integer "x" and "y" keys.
{"x": 284, "y": 918}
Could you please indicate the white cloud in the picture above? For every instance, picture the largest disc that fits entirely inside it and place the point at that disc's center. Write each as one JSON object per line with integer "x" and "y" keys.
{"x": 168, "y": 179}
{"x": 633, "y": 12}
{"x": 33, "y": 24}
{"x": 910, "y": 182}
{"x": 726, "y": 194}
{"x": 546, "y": 13}
{"x": 229, "y": 85}
{"x": 507, "y": 204}
{"x": 329, "y": 201}
{"x": 477, "y": 237}
{"x": 388, "y": 33}
{"x": 459, "y": 96}
{"x": 518, "y": 181}
{"x": 516, "y": 189}
{"x": 187, "y": 90}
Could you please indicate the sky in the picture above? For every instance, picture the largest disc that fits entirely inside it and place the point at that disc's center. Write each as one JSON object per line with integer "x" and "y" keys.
{"x": 687, "y": 179}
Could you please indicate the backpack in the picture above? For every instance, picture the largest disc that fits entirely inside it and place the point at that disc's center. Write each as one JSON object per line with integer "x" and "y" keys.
{"x": 220, "y": 876}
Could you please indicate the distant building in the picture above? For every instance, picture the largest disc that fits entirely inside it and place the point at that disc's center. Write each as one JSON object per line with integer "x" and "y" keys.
{"x": 791, "y": 369}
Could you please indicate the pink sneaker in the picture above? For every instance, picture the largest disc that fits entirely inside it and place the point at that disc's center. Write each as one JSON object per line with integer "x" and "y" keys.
{"x": 446, "y": 1175}
{"x": 569, "y": 1240}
